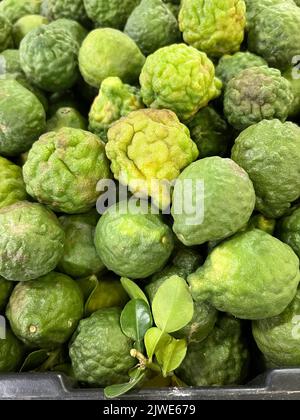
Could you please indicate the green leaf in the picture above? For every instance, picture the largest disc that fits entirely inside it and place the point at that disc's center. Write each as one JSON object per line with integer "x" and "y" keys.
{"x": 34, "y": 360}
{"x": 171, "y": 355}
{"x": 154, "y": 338}
{"x": 115, "y": 391}
{"x": 136, "y": 319}
{"x": 173, "y": 305}
{"x": 133, "y": 289}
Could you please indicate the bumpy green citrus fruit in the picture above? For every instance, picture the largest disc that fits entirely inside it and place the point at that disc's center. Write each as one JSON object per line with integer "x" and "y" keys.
{"x": 21, "y": 78}
{"x": 100, "y": 352}
{"x": 66, "y": 117}
{"x": 18, "y": 134}
{"x": 69, "y": 9}
{"x": 31, "y": 241}
{"x": 230, "y": 66}
{"x": 10, "y": 62}
{"x": 221, "y": 359}
{"x": 256, "y": 94}
{"x": 215, "y": 27}
{"x": 11, "y": 353}
{"x": 111, "y": 14}
{"x": 74, "y": 28}
{"x": 108, "y": 52}
{"x": 12, "y": 187}
{"x": 255, "y": 7}
{"x": 147, "y": 149}
{"x": 49, "y": 58}
{"x": 179, "y": 78}
{"x": 26, "y": 24}
{"x": 80, "y": 258}
{"x": 278, "y": 338}
{"x": 133, "y": 244}
{"x": 6, "y": 40}
{"x": 15, "y": 9}
{"x": 210, "y": 132}
{"x": 6, "y": 288}
{"x": 226, "y": 195}
{"x": 275, "y": 35}
{"x": 44, "y": 312}
{"x": 152, "y": 25}
{"x": 63, "y": 169}
{"x": 288, "y": 230}
{"x": 115, "y": 100}
{"x": 251, "y": 275}
{"x": 270, "y": 153}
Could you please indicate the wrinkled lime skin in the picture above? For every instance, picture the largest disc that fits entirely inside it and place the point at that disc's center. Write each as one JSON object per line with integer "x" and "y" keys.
{"x": 12, "y": 187}
{"x": 111, "y": 14}
{"x": 229, "y": 201}
{"x": 152, "y": 25}
{"x": 256, "y": 94}
{"x": 278, "y": 337}
{"x": 275, "y": 35}
{"x": 64, "y": 9}
{"x": 31, "y": 241}
{"x": 270, "y": 153}
{"x": 21, "y": 78}
{"x": 18, "y": 134}
{"x": 10, "y": 62}
{"x": 148, "y": 148}
{"x": 66, "y": 117}
{"x": 99, "y": 351}
{"x": 15, "y": 9}
{"x": 179, "y": 78}
{"x": 6, "y": 40}
{"x": 216, "y": 28}
{"x": 293, "y": 76}
{"x": 251, "y": 275}
{"x": 255, "y": 7}
{"x": 133, "y": 245}
{"x": 6, "y": 287}
{"x": 221, "y": 359}
{"x": 115, "y": 100}
{"x": 288, "y": 230}
{"x": 210, "y": 132}
{"x": 75, "y": 29}
{"x": 26, "y": 24}
{"x": 48, "y": 57}
{"x": 45, "y": 312}
{"x": 63, "y": 169}
{"x": 229, "y": 66}
{"x": 80, "y": 258}
{"x": 11, "y": 353}
{"x": 108, "y": 52}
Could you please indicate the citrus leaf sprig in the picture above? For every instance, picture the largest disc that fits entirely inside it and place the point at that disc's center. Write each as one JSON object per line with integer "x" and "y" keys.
{"x": 172, "y": 309}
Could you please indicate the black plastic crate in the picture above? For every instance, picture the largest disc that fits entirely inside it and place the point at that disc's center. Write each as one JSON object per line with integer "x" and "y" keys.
{"x": 275, "y": 384}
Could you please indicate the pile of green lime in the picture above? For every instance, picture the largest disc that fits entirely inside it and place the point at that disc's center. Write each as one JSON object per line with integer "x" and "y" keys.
{"x": 149, "y": 190}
